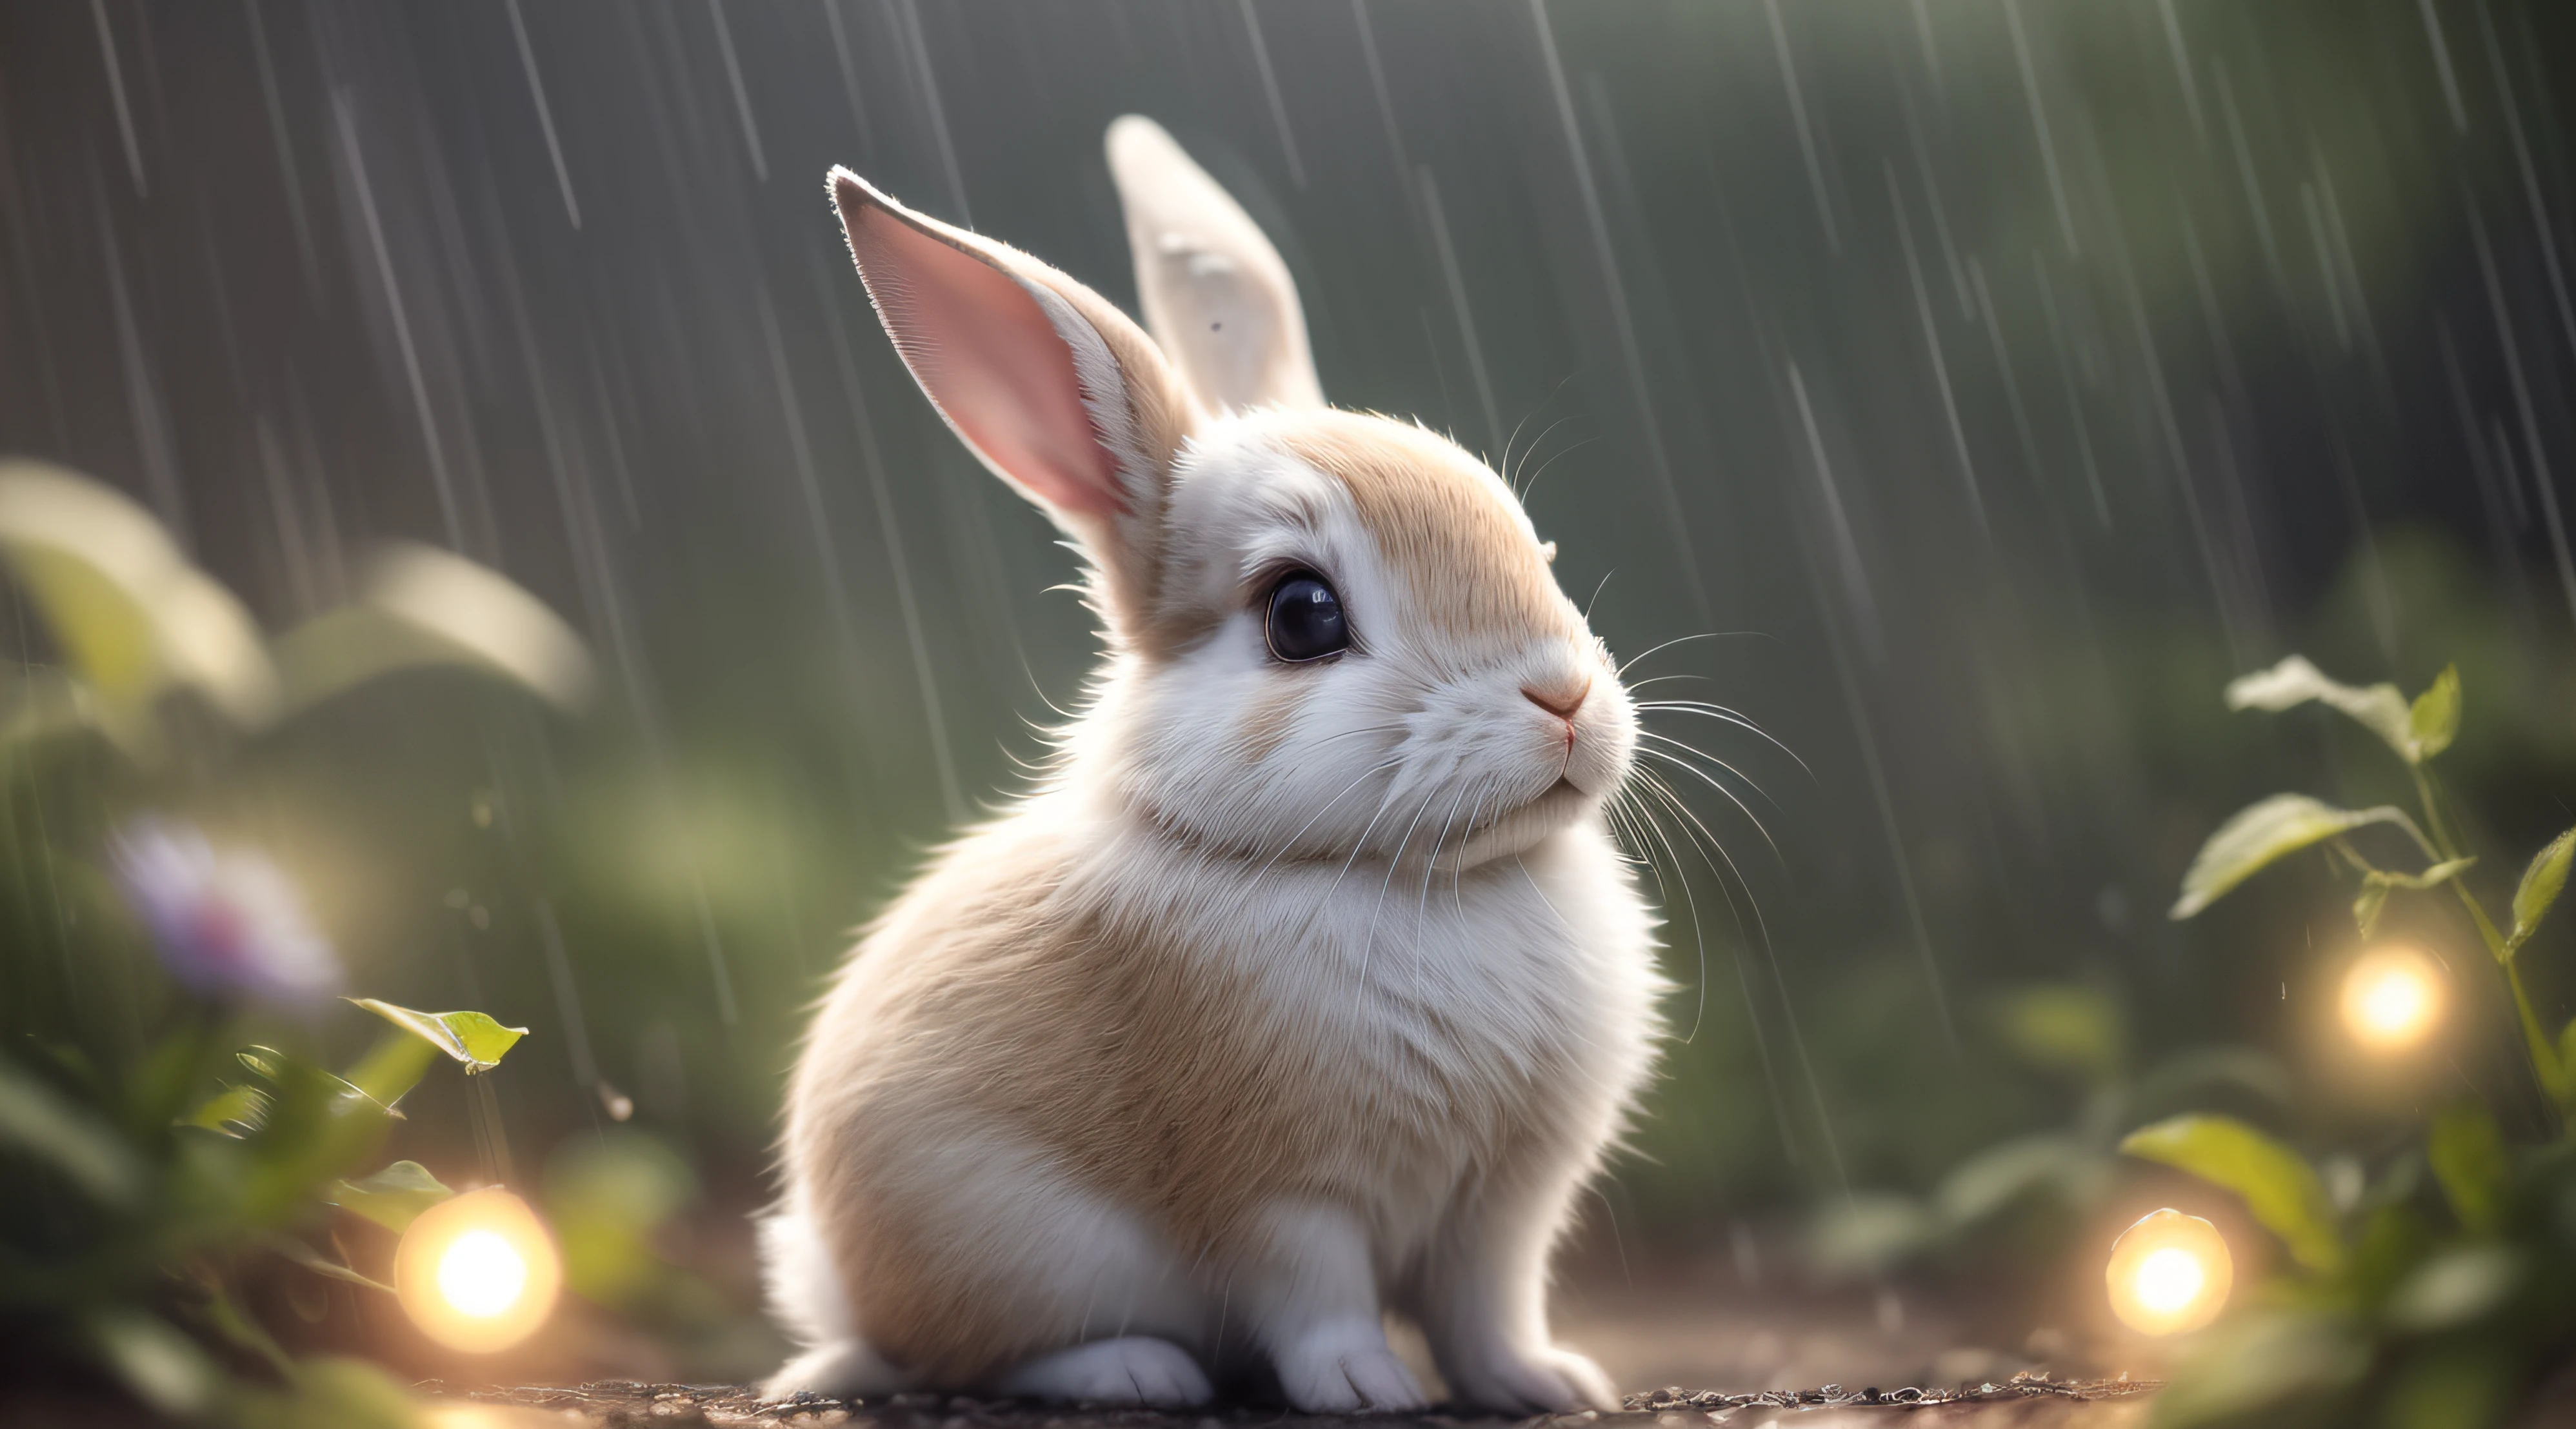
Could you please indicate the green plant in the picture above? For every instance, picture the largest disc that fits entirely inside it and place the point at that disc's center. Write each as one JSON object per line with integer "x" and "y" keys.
{"x": 155, "y": 1155}
{"x": 136, "y": 1198}
{"x": 2033, "y": 1192}
{"x": 2436, "y": 1295}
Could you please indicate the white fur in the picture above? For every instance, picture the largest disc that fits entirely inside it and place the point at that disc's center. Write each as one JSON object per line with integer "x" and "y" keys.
{"x": 1129, "y": 1370}
{"x": 1413, "y": 888}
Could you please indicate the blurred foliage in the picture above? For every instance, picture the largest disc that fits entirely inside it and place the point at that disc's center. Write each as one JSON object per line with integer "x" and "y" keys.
{"x": 147, "y": 1175}
{"x": 2023, "y": 1201}
{"x": 1737, "y": 1124}
{"x": 2417, "y": 1300}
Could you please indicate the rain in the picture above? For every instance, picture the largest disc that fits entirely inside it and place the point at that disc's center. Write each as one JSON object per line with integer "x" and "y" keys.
{"x": 1994, "y": 380}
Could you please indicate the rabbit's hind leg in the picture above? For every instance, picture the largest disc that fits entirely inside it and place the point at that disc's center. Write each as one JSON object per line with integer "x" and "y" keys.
{"x": 990, "y": 1263}
{"x": 1130, "y": 1370}
{"x": 808, "y": 1298}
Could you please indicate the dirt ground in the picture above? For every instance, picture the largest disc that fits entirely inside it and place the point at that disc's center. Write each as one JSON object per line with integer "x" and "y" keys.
{"x": 1722, "y": 1352}
{"x": 2025, "y": 1404}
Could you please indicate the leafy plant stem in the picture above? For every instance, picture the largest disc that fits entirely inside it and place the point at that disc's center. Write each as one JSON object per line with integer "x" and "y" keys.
{"x": 2545, "y": 1066}
{"x": 2434, "y": 823}
{"x": 2544, "y": 1058}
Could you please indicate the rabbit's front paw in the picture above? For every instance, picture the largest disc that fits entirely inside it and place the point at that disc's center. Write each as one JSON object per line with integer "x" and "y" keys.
{"x": 1545, "y": 1380}
{"x": 1347, "y": 1369}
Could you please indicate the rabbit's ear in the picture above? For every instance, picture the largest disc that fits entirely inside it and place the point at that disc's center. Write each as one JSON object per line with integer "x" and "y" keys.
{"x": 1215, "y": 293}
{"x": 1045, "y": 380}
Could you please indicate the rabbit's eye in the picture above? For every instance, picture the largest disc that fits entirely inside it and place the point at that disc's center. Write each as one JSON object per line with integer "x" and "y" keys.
{"x": 1305, "y": 620}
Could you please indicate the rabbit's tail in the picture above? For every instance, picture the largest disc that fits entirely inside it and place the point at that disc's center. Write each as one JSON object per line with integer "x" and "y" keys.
{"x": 808, "y": 1300}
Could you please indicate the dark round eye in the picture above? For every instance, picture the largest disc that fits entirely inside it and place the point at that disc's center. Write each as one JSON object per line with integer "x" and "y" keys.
{"x": 1305, "y": 619}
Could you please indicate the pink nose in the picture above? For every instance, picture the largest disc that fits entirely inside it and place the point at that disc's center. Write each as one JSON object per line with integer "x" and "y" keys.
{"x": 1560, "y": 700}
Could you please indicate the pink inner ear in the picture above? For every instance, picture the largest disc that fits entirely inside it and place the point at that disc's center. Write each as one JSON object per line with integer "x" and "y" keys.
{"x": 985, "y": 352}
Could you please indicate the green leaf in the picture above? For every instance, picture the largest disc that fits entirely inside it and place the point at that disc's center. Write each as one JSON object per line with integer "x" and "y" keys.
{"x": 1996, "y": 1178}
{"x": 235, "y": 1110}
{"x": 2434, "y": 718}
{"x": 606, "y": 1196}
{"x": 424, "y": 608}
{"x": 2263, "y": 1359}
{"x": 1869, "y": 1232}
{"x": 121, "y": 600}
{"x": 273, "y": 1065}
{"x": 2468, "y": 1156}
{"x": 2380, "y": 708}
{"x": 2065, "y": 1027}
{"x": 2454, "y": 1288}
{"x": 2376, "y": 883}
{"x": 225, "y": 1316}
{"x": 392, "y": 1198}
{"x": 2540, "y": 885}
{"x": 392, "y": 1068}
{"x": 336, "y": 1392}
{"x": 2276, "y": 1183}
{"x": 470, "y": 1037}
{"x": 2453, "y": 1381}
{"x": 164, "y": 1368}
{"x": 2191, "y": 1078}
{"x": 2433, "y": 877}
{"x": 47, "y": 704}
{"x": 313, "y": 1260}
{"x": 38, "y": 1121}
{"x": 2264, "y": 832}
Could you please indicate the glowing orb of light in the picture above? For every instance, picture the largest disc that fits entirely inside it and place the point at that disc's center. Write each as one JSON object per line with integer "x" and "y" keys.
{"x": 481, "y": 1275}
{"x": 2392, "y": 997}
{"x": 478, "y": 1273}
{"x": 2169, "y": 1273}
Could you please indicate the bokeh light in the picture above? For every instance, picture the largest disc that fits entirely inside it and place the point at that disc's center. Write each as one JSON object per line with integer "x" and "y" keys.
{"x": 481, "y": 1275}
{"x": 2392, "y": 998}
{"x": 478, "y": 1273}
{"x": 2169, "y": 1273}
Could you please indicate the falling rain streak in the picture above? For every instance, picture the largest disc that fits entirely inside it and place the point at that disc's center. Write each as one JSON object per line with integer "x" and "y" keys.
{"x": 1985, "y": 360}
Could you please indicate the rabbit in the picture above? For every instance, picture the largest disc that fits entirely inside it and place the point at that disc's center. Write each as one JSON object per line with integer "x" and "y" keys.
{"x": 1307, "y": 986}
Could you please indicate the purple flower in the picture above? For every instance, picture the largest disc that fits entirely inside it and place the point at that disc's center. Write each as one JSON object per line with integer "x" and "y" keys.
{"x": 225, "y": 922}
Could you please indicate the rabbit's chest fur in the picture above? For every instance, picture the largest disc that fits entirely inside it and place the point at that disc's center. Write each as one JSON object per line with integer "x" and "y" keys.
{"x": 1197, "y": 1037}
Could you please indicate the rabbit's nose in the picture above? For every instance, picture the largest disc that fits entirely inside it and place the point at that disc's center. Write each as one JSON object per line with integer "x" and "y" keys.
{"x": 1561, "y": 698}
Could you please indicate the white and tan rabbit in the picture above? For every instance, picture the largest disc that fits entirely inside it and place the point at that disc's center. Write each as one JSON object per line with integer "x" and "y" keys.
{"x": 1307, "y": 985}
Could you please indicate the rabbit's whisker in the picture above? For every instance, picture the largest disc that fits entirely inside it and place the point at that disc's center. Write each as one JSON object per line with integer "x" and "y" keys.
{"x": 1532, "y": 450}
{"x": 1286, "y": 848}
{"x": 1598, "y": 587}
{"x": 1506, "y": 465}
{"x": 1704, "y": 777}
{"x": 1358, "y": 846}
{"x": 1708, "y": 842}
{"x": 1544, "y": 901}
{"x": 1395, "y": 860}
{"x": 1723, "y": 715}
{"x": 1551, "y": 461}
{"x": 1631, "y": 661}
{"x": 1702, "y": 837}
{"x": 1431, "y": 867}
{"x": 1690, "y": 899}
{"x": 1457, "y": 899}
{"x": 1695, "y": 751}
